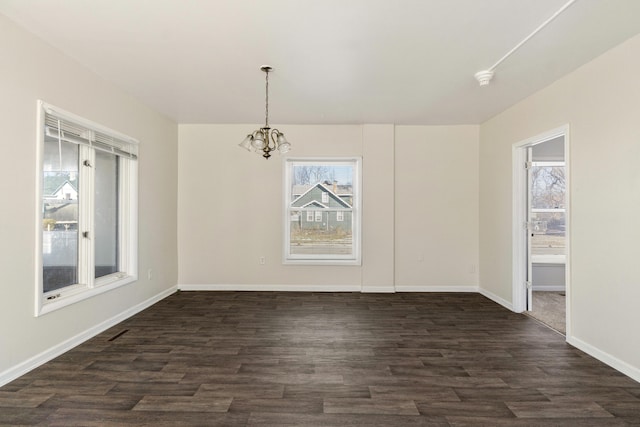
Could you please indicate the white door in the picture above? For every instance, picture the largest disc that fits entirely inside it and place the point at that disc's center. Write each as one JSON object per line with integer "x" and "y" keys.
{"x": 529, "y": 230}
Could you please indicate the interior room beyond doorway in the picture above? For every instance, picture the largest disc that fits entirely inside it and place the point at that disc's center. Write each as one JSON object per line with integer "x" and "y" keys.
{"x": 547, "y": 189}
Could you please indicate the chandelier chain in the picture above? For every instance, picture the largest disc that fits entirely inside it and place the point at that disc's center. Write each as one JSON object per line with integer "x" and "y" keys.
{"x": 266, "y": 108}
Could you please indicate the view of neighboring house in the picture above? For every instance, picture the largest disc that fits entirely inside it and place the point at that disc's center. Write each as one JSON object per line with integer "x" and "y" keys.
{"x": 60, "y": 186}
{"x": 60, "y": 196}
{"x": 324, "y": 206}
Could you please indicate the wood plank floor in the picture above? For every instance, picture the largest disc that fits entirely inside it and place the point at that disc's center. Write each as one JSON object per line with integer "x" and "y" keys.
{"x": 323, "y": 359}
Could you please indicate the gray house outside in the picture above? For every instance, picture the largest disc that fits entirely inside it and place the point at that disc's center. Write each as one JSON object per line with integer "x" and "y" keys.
{"x": 321, "y": 208}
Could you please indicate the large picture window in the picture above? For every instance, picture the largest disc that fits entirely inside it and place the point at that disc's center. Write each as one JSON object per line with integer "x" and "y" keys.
{"x": 87, "y": 221}
{"x": 322, "y": 211}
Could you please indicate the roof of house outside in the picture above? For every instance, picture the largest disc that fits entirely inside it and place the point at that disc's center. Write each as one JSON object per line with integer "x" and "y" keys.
{"x": 342, "y": 199}
{"x": 340, "y": 190}
{"x": 51, "y": 184}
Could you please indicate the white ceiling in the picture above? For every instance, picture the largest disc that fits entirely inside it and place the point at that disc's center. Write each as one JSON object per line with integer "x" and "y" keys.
{"x": 335, "y": 61}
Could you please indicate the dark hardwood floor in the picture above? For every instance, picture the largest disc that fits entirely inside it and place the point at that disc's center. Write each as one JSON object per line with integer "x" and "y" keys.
{"x": 323, "y": 359}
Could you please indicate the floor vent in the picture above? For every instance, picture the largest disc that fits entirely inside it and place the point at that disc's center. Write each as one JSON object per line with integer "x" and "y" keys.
{"x": 118, "y": 335}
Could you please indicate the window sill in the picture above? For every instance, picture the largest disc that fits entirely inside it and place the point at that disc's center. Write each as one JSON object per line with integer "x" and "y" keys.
{"x": 78, "y": 293}
{"x": 548, "y": 259}
{"x": 336, "y": 262}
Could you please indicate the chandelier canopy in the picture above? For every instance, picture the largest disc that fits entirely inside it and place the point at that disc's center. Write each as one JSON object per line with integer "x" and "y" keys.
{"x": 265, "y": 140}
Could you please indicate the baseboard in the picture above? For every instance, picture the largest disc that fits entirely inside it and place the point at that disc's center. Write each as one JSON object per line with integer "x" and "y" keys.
{"x": 495, "y": 298}
{"x": 614, "y": 362}
{"x": 421, "y": 288}
{"x": 378, "y": 289}
{"x": 276, "y": 287}
{"x": 55, "y": 351}
{"x": 325, "y": 288}
{"x": 549, "y": 288}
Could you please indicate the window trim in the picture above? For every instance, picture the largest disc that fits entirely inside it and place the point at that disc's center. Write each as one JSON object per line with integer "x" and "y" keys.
{"x": 356, "y": 212}
{"x": 127, "y": 233}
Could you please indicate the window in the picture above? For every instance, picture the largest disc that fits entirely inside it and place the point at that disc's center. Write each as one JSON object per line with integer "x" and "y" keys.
{"x": 548, "y": 208}
{"x": 328, "y": 190}
{"x": 87, "y": 218}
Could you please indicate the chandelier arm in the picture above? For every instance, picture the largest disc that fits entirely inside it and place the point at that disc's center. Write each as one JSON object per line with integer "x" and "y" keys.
{"x": 274, "y": 138}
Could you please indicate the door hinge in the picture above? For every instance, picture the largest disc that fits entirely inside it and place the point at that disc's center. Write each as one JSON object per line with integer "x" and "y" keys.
{"x": 528, "y": 284}
{"x": 527, "y": 165}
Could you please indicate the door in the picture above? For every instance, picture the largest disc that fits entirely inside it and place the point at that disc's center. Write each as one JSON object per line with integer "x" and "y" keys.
{"x": 529, "y": 230}
{"x": 540, "y": 222}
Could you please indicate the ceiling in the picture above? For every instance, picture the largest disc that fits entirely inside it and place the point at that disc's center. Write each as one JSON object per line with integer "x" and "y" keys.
{"x": 335, "y": 61}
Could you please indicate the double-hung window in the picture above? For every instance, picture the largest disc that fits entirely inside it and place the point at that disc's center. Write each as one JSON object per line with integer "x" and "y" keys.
{"x": 322, "y": 211}
{"x": 548, "y": 210}
{"x": 87, "y": 212}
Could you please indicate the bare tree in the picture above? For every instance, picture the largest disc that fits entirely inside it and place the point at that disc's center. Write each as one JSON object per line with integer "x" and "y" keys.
{"x": 312, "y": 174}
{"x": 548, "y": 187}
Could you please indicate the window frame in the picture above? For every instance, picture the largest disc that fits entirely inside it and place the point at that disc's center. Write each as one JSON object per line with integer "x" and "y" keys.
{"x": 127, "y": 217}
{"x": 355, "y": 258}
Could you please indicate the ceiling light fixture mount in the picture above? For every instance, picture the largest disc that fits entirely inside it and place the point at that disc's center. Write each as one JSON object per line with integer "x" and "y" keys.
{"x": 485, "y": 76}
{"x": 265, "y": 140}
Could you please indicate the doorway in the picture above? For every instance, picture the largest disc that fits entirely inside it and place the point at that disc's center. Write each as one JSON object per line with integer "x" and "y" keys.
{"x": 540, "y": 232}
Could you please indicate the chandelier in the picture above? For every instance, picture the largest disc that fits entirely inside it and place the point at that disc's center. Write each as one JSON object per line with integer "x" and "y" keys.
{"x": 265, "y": 140}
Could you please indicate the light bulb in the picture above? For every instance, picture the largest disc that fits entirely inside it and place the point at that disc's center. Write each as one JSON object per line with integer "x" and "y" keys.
{"x": 283, "y": 144}
{"x": 258, "y": 141}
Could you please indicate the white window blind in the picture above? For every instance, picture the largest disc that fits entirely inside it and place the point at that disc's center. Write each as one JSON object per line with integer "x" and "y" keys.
{"x": 66, "y": 127}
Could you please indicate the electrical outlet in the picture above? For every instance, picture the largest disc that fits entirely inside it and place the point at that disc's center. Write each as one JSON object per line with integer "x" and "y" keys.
{"x": 472, "y": 269}
{"x": 149, "y": 274}
{"x": 263, "y": 261}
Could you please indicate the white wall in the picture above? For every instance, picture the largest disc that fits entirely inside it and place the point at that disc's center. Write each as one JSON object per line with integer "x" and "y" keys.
{"x": 601, "y": 103}
{"x": 548, "y": 277}
{"x": 378, "y": 207}
{"x": 437, "y": 207}
{"x": 33, "y": 70}
{"x": 230, "y": 208}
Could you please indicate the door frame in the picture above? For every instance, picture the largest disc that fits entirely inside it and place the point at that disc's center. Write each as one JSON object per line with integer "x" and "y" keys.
{"x": 519, "y": 217}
